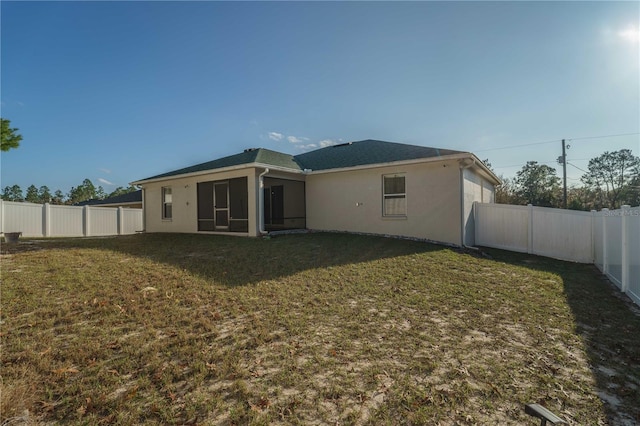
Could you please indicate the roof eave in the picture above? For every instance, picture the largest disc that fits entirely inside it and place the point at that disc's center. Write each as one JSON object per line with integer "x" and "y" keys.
{"x": 490, "y": 174}
{"x": 115, "y": 204}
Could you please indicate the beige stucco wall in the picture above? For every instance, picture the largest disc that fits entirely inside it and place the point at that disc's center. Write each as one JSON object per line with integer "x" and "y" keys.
{"x": 488, "y": 192}
{"x": 352, "y": 201}
{"x": 473, "y": 186}
{"x": 185, "y": 202}
{"x": 476, "y": 189}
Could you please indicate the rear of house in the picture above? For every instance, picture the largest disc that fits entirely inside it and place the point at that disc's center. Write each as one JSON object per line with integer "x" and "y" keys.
{"x": 367, "y": 186}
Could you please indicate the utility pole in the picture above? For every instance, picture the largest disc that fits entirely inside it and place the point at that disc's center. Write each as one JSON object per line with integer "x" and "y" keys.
{"x": 564, "y": 176}
{"x": 563, "y": 160}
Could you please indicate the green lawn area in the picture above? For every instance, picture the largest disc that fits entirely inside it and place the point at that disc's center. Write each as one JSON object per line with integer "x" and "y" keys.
{"x": 308, "y": 329}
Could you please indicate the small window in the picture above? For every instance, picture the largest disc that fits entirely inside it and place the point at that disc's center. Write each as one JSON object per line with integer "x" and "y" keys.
{"x": 166, "y": 203}
{"x": 394, "y": 196}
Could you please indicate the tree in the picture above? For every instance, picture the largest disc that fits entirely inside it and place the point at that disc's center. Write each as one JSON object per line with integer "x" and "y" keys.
{"x": 32, "y": 195}
{"x": 9, "y": 137}
{"x": 58, "y": 197}
{"x": 44, "y": 194}
{"x": 580, "y": 198}
{"x": 613, "y": 176}
{"x": 537, "y": 184}
{"x": 100, "y": 194}
{"x": 634, "y": 191}
{"x": 120, "y": 191}
{"x": 506, "y": 192}
{"x": 12, "y": 193}
{"x": 85, "y": 191}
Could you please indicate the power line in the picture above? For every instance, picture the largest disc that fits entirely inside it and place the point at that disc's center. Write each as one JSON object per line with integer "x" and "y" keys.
{"x": 556, "y": 140}
{"x": 546, "y": 163}
{"x": 605, "y": 136}
{"x": 506, "y": 167}
{"x": 582, "y": 170}
{"x": 516, "y": 146}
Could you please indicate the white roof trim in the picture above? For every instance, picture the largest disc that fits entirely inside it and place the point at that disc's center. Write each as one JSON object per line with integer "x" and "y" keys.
{"x": 486, "y": 170}
{"x": 477, "y": 162}
{"x": 114, "y": 204}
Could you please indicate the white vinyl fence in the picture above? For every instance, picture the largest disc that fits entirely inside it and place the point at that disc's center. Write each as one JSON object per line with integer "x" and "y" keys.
{"x": 610, "y": 239}
{"x": 46, "y": 220}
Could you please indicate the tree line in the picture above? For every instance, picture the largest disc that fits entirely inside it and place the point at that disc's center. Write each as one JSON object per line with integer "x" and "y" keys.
{"x": 610, "y": 181}
{"x": 83, "y": 192}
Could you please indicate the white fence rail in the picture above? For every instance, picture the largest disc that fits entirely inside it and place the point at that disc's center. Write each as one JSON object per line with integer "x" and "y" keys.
{"x": 45, "y": 220}
{"x": 610, "y": 238}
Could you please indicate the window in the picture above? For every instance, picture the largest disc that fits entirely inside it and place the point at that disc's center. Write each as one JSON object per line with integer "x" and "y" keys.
{"x": 394, "y": 197}
{"x": 166, "y": 203}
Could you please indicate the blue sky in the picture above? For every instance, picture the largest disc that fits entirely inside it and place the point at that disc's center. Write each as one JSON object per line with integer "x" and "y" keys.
{"x": 119, "y": 91}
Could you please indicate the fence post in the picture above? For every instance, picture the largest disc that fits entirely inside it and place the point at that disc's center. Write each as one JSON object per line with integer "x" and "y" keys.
{"x": 120, "y": 220}
{"x": 474, "y": 211}
{"x": 530, "y": 229}
{"x": 605, "y": 254}
{"x": 86, "y": 217}
{"x": 593, "y": 236}
{"x": 1, "y": 215}
{"x": 46, "y": 220}
{"x": 625, "y": 248}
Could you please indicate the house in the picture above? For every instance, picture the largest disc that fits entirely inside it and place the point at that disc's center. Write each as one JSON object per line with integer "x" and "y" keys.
{"x": 131, "y": 200}
{"x": 368, "y": 186}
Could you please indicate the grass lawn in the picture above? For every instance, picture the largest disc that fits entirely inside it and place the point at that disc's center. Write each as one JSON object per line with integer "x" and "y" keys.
{"x": 307, "y": 329}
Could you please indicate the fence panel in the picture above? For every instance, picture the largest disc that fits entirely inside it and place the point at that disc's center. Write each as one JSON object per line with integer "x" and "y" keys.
{"x": 65, "y": 221}
{"x": 502, "y": 226}
{"x": 597, "y": 238}
{"x": 22, "y": 217}
{"x": 37, "y": 220}
{"x": 634, "y": 254}
{"x": 103, "y": 221}
{"x": 613, "y": 247}
{"x": 131, "y": 221}
{"x": 562, "y": 234}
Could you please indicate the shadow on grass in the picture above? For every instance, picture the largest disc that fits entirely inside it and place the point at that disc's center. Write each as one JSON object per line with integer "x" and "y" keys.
{"x": 609, "y": 325}
{"x": 234, "y": 261}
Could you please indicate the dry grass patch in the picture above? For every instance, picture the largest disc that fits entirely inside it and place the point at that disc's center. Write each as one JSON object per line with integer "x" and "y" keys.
{"x": 307, "y": 329}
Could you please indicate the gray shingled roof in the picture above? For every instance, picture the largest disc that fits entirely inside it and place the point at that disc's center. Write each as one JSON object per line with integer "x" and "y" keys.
{"x": 350, "y": 154}
{"x": 365, "y": 153}
{"x": 129, "y": 197}
{"x": 259, "y": 155}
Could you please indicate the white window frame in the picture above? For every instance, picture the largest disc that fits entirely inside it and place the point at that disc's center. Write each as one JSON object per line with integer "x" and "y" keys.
{"x": 399, "y": 195}
{"x": 166, "y": 203}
